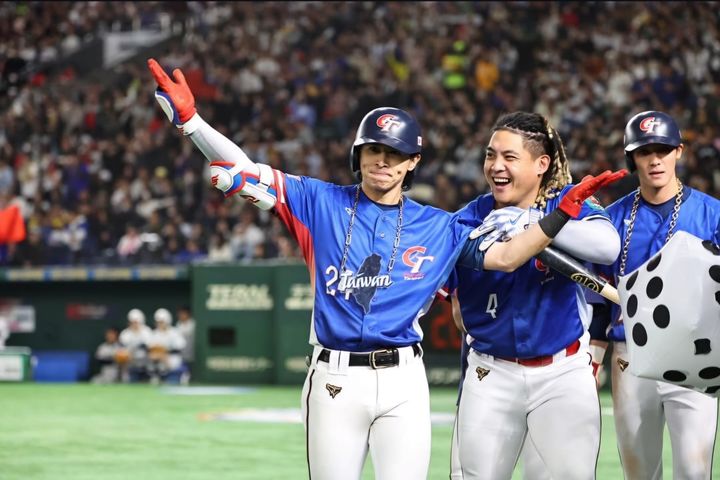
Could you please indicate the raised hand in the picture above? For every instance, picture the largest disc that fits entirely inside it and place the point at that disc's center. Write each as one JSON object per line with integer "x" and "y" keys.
{"x": 174, "y": 96}
{"x": 574, "y": 198}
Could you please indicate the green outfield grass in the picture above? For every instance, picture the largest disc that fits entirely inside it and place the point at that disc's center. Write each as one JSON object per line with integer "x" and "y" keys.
{"x": 139, "y": 432}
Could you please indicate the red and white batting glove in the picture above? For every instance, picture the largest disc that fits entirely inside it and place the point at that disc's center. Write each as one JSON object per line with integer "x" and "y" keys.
{"x": 572, "y": 202}
{"x": 174, "y": 96}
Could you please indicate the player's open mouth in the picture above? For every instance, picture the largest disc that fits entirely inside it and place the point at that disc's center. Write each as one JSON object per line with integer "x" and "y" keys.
{"x": 501, "y": 182}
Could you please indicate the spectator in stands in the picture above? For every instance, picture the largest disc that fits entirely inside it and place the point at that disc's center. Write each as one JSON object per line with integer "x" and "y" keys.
{"x": 62, "y": 132}
{"x": 129, "y": 245}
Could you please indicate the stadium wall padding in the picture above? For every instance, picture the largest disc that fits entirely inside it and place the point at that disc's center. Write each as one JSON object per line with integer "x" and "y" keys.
{"x": 252, "y": 321}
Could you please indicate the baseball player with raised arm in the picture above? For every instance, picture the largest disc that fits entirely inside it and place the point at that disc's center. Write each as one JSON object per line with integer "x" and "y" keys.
{"x": 646, "y": 219}
{"x": 376, "y": 259}
{"x": 529, "y": 379}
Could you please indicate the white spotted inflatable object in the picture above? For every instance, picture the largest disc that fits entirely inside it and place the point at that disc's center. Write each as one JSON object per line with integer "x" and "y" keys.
{"x": 671, "y": 311}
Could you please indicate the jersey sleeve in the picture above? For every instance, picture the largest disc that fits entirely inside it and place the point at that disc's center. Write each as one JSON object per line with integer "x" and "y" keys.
{"x": 294, "y": 207}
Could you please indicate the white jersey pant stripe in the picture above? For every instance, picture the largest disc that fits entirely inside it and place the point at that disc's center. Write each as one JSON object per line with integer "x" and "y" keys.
{"x": 555, "y": 406}
{"x": 641, "y": 407}
{"x": 349, "y": 411}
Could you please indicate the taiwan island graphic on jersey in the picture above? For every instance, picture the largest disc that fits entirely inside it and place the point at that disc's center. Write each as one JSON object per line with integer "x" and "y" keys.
{"x": 369, "y": 269}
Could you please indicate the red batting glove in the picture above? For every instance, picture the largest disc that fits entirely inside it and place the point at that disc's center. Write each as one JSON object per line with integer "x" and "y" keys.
{"x": 176, "y": 91}
{"x": 572, "y": 202}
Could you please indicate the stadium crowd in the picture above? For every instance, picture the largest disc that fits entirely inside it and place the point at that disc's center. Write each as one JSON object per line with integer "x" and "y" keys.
{"x": 102, "y": 179}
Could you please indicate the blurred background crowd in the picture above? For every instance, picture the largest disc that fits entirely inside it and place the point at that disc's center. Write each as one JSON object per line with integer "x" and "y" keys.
{"x": 102, "y": 178}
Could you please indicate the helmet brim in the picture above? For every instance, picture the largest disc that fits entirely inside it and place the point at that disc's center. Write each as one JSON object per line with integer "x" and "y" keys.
{"x": 396, "y": 143}
{"x": 657, "y": 140}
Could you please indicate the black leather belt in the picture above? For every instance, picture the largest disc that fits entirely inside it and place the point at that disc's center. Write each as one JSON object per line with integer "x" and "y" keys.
{"x": 387, "y": 357}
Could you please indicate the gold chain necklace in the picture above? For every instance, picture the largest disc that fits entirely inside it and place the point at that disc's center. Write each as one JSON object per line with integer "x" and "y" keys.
{"x": 348, "y": 237}
{"x": 631, "y": 225}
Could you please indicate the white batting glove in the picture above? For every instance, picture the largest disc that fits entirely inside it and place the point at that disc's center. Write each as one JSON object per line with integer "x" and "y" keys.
{"x": 504, "y": 223}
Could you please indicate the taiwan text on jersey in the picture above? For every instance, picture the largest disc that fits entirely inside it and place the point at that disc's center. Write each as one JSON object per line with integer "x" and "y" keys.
{"x": 530, "y": 312}
{"x": 363, "y": 307}
{"x": 699, "y": 215}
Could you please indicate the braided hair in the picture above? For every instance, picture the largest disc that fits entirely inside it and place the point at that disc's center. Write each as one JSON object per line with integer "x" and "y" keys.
{"x": 540, "y": 138}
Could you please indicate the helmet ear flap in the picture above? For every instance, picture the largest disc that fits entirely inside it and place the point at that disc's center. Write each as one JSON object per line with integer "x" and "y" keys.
{"x": 630, "y": 162}
{"x": 355, "y": 161}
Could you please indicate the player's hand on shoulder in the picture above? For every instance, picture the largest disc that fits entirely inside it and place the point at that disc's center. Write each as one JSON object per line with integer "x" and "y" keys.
{"x": 503, "y": 224}
{"x": 173, "y": 94}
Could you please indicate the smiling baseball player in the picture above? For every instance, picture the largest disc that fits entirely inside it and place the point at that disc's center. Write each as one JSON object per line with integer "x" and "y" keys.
{"x": 529, "y": 379}
{"x": 376, "y": 259}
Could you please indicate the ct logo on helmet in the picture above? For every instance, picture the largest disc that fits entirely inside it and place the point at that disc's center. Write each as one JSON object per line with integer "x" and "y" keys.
{"x": 647, "y": 125}
{"x": 388, "y": 122}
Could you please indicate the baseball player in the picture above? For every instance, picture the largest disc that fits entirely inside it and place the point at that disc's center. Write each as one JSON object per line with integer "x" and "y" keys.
{"x": 135, "y": 338}
{"x": 165, "y": 347}
{"x": 376, "y": 259}
{"x": 646, "y": 219}
{"x": 111, "y": 356}
{"x": 529, "y": 379}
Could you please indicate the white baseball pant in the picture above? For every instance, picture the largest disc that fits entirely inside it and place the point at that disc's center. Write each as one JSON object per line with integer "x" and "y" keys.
{"x": 348, "y": 410}
{"x": 555, "y": 406}
{"x": 641, "y": 407}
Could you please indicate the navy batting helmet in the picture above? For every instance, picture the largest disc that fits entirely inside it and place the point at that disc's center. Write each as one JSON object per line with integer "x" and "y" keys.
{"x": 647, "y": 128}
{"x": 389, "y": 126}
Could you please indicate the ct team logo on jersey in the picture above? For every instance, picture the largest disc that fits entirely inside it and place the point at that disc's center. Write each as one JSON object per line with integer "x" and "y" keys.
{"x": 648, "y": 124}
{"x": 388, "y": 122}
{"x": 541, "y": 267}
{"x": 414, "y": 257}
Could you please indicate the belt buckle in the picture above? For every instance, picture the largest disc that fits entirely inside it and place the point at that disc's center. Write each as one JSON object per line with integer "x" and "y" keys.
{"x": 373, "y": 363}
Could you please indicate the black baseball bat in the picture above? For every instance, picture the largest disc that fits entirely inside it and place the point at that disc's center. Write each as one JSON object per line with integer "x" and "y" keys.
{"x": 577, "y": 272}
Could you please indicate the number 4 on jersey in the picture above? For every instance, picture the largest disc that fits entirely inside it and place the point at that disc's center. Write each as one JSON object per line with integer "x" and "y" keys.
{"x": 492, "y": 305}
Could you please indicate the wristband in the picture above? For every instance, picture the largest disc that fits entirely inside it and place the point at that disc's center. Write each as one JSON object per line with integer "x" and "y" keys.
{"x": 191, "y": 125}
{"x": 552, "y": 223}
{"x": 597, "y": 353}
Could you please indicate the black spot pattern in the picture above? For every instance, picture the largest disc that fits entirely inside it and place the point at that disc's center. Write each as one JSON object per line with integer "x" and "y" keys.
{"x": 711, "y": 247}
{"x": 712, "y": 390}
{"x": 661, "y": 316}
{"x": 674, "y": 376}
{"x": 702, "y": 346}
{"x": 639, "y": 335}
{"x": 654, "y": 287}
{"x": 709, "y": 373}
{"x": 652, "y": 264}
{"x": 717, "y": 297}
{"x": 631, "y": 280}
{"x": 632, "y": 306}
{"x": 715, "y": 273}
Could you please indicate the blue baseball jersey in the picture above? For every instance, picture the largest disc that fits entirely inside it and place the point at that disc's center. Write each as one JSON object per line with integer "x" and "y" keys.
{"x": 527, "y": 313}
{"x": 699, "y": 215}
{"x": 364, "y": 307}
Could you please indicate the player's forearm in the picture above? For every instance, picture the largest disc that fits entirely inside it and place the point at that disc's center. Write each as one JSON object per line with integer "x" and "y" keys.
{"x": 508, "y": 256}
{"x": 231, "y": 169}
{"x": 593, "y": 240}
{"x": 214, "y": 145}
